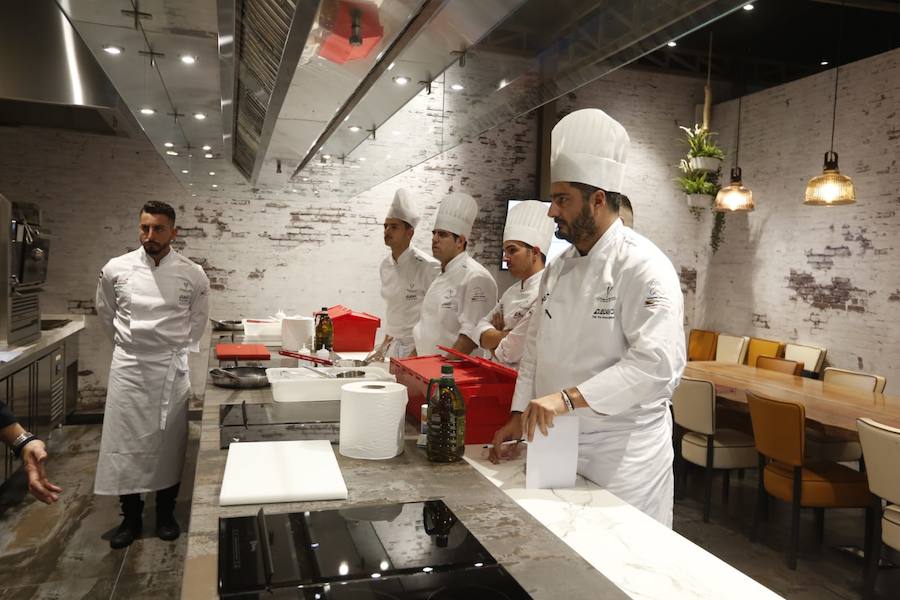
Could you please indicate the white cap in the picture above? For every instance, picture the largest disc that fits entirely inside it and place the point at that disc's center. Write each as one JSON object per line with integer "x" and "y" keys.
{"x": 457, "y": 214}
{"x": 403, "y": 208}
{"x": 528, "y": 222}
{"x": 588, "y": 146}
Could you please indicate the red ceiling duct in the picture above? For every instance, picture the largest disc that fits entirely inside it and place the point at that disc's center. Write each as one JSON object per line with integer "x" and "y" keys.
{"x": 355, "y": 33}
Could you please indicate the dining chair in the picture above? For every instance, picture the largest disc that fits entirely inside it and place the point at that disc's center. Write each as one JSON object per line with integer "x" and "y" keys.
{"x": 757, "y": 347}
{"x": 702, "y": 345}
{"x": 812, "y": 357}
{"x": 790, "y": 367}
{"x": 881, "y": 447}
{"x": 731, "y": 348}
{"x": 867, "y": 382}
{"x": 705, "y": 444}
{"x": 778, "y": 428}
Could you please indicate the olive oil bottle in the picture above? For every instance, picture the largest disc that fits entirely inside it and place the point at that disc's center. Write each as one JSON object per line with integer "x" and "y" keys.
{"x": 446, "y": 434}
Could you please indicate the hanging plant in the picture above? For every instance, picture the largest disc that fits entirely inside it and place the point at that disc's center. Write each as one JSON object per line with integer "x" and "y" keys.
{"x": 699, "y": 187}
{"x": 715, "y": 238}
{"x": 703, "y": 153}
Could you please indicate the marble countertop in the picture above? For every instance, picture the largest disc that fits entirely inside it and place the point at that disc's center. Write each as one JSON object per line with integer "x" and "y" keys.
{"x": 48, "y": 338}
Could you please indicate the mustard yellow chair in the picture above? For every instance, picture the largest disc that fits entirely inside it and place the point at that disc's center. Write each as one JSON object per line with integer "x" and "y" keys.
{"x": 881, "y": 447}
{"x": 731, "y": 348}
{"x": 704, "y": 444}
{"x": 778, "y": 428}
{"x": 788, "y": 367}
{"x": 812, "y": 357}
{"x": 757, "y": 347}
{"x": 702, "y": 345}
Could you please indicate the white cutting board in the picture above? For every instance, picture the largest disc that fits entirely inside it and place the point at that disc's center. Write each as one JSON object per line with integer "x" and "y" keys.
{"x": 297, "y": 471}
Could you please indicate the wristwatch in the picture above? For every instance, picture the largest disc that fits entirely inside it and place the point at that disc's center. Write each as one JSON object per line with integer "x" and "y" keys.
{"x": 21, "y": 441}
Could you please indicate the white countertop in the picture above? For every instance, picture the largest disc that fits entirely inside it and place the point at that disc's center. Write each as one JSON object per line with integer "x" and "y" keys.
{"x": 24, "y": 354}
{"x": 638, "y": 554}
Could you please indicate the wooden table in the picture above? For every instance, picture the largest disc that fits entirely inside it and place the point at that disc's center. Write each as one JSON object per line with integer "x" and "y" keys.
{"x": 832, "y": 405}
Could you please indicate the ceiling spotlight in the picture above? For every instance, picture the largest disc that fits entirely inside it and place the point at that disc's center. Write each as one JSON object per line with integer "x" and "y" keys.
{"x": 401, "y": 79}
{"x": 169, "y": 145}
{"x": 171, "y": 153}
{"x": 354, "y": 128}
{"x": 215, "y": 185}
{"x": 188, "y": 59}
{"x": 362, "y": 159}
{"x": 503, "y": 83}
{"x": 208, "y": 155}
{"x": 148, "y": 111}
{"x": 306, "y": 179}
{"x": 823, "y": 63}
{"x": 193, "y": 195}
{"x": 114, "y": 50}
{"x": 207, "y": 148}
{"x": 199, "y": 116}
{"x": 748, "y": 6}
{"x": 672, "y": 44}
{"x": 185, "y": 171}
{"x": 212, "y": 173}
{"x": 457, "y": 87}
{"x": 326, "y": 156}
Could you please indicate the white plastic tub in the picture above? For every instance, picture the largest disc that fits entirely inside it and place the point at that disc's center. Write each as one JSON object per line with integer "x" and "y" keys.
{"x": 259, "y": 331}
{"x": 301, "y": 385}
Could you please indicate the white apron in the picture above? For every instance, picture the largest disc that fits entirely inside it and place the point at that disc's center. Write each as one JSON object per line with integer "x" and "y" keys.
{"x": 610, "y": 323}
{"x": 404, "y": 283}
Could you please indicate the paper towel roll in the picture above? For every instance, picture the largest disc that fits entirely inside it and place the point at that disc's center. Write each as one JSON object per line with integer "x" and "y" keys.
{"x": 372, "y": 419}
{"x": 296, "y": 332}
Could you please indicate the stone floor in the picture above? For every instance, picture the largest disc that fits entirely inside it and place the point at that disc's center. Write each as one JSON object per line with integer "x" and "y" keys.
{"x": 62, "y": 551}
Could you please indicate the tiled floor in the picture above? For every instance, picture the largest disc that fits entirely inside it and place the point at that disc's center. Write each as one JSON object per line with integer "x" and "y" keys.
{"x": 62, "y": 551}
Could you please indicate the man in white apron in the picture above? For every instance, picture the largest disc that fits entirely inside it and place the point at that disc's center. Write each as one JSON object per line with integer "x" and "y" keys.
{"x": 406, "y": 274}
{"x": 153, "y": 302}
{"x": 463, "y": 292}
{"x": 526, "y": 239}
{"x": 606, "y": 341}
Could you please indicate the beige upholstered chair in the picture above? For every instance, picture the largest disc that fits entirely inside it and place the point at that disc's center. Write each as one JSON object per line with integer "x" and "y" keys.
{"x": 812, "y": 358}
{"x": 841, "y": 446}
{"x": 881, "y": 447}
{"x": 731, "y": 348}
{"x": 702, "y": 443}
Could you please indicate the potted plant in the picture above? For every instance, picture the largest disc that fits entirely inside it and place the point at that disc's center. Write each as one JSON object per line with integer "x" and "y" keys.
{"x": 697, "y": 186}
{"x": 703, "y": 153}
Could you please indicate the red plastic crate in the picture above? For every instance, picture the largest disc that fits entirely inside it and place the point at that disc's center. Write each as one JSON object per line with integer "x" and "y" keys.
{"x": 353, "y": 331}
{"x": 486, "y": 386}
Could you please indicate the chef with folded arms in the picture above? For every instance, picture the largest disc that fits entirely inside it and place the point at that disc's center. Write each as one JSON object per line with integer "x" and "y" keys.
{"x": 463, "y": 292}
{"x": 606, "y": 341}
{"x": 406, "y": 274}
{"x": 526, "y": 239}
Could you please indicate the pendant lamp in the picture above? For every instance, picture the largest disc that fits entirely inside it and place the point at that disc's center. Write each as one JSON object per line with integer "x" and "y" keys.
{"x": 735, "y": 196}
{"x": 831, "y": 187}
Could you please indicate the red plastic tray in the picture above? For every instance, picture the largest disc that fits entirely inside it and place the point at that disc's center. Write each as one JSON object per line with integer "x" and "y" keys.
{"x": 242, "y": 352}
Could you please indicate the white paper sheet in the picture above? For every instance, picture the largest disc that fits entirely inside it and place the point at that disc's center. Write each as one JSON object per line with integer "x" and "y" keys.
{"x": 552, "y": 460}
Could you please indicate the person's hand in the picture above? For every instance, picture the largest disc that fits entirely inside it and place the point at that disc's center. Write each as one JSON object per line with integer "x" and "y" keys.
{"x": 33, "y": 456}
{"x": 497, "y": 321}
{"x": 540, "y": 413}
{"x": 511, "y": 431}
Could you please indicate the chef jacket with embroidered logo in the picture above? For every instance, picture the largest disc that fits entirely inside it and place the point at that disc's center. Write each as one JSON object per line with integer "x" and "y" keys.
{"x": 403, "y": 286}
{"x": 454, "y": 304}
{"x": 611, "y": 324}
{"x": 516, "y": 305}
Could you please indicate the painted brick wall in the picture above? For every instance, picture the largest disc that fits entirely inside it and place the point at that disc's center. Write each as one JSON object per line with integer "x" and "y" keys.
{"x": 824, "y": 276}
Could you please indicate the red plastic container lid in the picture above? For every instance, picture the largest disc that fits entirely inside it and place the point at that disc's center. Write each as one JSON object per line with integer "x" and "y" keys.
{"x": 339, "y": 311}
{"x": 482, "y": 362}
{"x": 242, "y": 352}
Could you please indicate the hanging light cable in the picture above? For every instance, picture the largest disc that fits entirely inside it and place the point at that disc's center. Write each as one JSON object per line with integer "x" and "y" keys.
{"x": 735, "y": 196}
{"x": 831, "y": 187}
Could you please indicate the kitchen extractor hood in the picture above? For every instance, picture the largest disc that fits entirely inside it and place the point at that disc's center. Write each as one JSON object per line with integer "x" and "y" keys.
{"x": 48, "y": 77}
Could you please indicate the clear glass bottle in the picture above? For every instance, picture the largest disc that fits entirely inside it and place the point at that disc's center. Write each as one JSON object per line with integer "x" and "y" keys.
{"x": 446, "y": 436}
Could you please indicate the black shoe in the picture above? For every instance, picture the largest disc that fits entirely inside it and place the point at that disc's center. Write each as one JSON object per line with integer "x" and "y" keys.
{"x": 167, "y": 528}
{"x": 127, "y": 532}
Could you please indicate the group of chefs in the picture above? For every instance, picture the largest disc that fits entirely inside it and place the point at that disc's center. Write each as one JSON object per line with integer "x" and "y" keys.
{"x": 597, "y": 332}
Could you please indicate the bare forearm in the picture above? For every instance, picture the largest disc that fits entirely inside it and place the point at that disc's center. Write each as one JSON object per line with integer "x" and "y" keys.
{"x": 9, "y": 433}
{"x": 491, "y": 338}
{"x": 464, "y": 344}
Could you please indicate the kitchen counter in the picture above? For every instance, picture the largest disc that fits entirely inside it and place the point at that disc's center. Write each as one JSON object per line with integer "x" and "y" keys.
{"x": 26, "y": 354}
{"x": 542, "y": 563}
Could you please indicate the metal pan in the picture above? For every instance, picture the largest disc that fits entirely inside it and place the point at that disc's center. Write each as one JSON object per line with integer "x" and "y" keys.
{"x": 227, "y": 325}
{"x": 239, "y": 377}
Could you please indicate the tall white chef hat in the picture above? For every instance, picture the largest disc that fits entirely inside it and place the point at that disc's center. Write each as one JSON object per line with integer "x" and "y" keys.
{"x": 528, "y": 222}
{"x": 457, "y": 214}
{"x": 403, "y": 208}
{"x": 588, "y": 146}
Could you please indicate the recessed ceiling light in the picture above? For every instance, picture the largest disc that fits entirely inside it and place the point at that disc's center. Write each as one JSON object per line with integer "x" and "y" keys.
{"x": 207, "y": 148}
{"x": 395, "y": 132}
{"x": 354, "y": 128}
{"x": 185, "y": 171}
{"x": 401, "y": 80}
{"x": 215, "y": 185}
{"x": 456, "y": 87}
{"x": 148, "y": 111}
{"x": 503, "y": 83}
{"x": 171, "y": 153}
{"x": 193, "y": 195}
{"x": 672, "y": 44}
{"x": 306, "y": 179}
{"x": 823, "y": 63}
{"x": 362, "y": 159}
{"x": 748, "y": 7}
{"x": 199, "y": 116}
{"x": 208, "y": 155}
{"x": 326, "y": 156}
{"x": 188, "y": 59}
{"x": 169, "y": 145}
{"x": 390, "y": 66}
{"x": 212, "y": 173}
{"x": 114, "y": 50}
{"x": 354, "y": 166}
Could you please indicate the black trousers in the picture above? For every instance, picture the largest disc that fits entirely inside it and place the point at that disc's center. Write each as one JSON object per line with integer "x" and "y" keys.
{"x": 165, "y": 501}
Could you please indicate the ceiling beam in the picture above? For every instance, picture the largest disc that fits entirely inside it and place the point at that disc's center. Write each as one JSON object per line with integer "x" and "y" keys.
{"x": 874, "y": 5}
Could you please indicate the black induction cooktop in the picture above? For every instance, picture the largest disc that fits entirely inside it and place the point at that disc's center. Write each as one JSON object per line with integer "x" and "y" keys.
{"x": 279, "y": 422}
{"x": 410, "y": 551}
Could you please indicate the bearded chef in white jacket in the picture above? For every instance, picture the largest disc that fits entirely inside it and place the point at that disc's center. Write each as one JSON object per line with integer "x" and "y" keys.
{"x": 463, "y": 292}
{"x": 153, "y": 302}
{"x": 526, "y": 239}
{"x": 406, "y": 274}
{"x": 606, "y": 342}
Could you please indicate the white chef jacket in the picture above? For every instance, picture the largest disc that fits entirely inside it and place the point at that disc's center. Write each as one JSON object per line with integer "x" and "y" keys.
{"x": 403, "y": 285}
{"x": 154, "y": 314}
{"x": 516, "y": 305}
{"x": 611, "y": 324}
{"x": 454, "y": 304}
